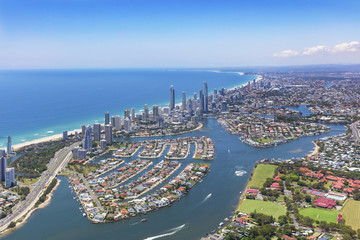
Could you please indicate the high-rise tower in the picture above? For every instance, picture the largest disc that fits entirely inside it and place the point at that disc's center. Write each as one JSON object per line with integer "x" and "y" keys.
{"x": 172, "y": 98}
{"x": 87, "y": 141}
{"x": 9, "y": 151}
{"x": 206, "y": 100}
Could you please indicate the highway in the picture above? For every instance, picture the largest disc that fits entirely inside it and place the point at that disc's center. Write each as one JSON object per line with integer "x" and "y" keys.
{"x": 60, "y": 160}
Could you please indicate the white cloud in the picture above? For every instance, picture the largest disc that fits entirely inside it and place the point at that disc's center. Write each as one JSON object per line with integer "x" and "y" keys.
{"x": 353, "y": 46}
{"x": 316, "y": 50}
{"x": 347, "y": 47}
{"x": 286, "y": 53}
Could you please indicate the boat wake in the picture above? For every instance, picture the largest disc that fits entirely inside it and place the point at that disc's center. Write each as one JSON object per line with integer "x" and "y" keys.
{"x": 206, "y": 198}
{"x": 170, "y": 232}
{"x": 240, "y": 173}
{"x": 132, "y": 224}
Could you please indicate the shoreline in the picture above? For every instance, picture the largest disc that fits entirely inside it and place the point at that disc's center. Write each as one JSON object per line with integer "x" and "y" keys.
{"x": 40, "y": 140}
{"x": 58, "y": 136}
{"x": 315, "y": 151}
{"x": 27, "y": 215}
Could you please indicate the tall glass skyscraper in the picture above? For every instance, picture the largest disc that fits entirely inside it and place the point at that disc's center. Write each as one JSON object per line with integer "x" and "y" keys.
{"x": 184, "y": 100}
{"x": 172, "y": 97}
{"x": 9, "y": 151}
{"x": 87, "y": 141}
{"x": 206, "y": 101}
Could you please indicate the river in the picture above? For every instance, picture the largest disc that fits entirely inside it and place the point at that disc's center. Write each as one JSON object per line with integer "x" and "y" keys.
{"x": 196, "y": 214}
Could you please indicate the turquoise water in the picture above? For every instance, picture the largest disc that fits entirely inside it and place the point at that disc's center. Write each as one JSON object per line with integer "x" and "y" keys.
{"x": 37, "y": 104}
{"x": 196, "y": 214}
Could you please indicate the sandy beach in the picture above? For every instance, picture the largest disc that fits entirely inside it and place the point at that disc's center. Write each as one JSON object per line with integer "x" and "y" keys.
{"x": 41, "y": 140}
{"x": 315, "y": 151}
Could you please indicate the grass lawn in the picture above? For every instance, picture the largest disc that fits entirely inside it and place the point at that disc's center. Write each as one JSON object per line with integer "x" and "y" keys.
{"x": 351, "y": 213}
{"x": 264, "y": 140}
{"x": 320, "y": 214}
{"x": 83, "y": 169}
{"x": 261, "y": 173}
{"x": 269, "y": 208}
{"x": 28, "y": 181}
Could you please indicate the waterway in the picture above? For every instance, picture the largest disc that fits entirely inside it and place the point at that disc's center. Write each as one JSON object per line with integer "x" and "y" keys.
{"x": 196, "y": 214}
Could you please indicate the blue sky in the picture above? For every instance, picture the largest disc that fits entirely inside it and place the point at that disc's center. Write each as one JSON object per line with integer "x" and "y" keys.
{"x": 172, "y": 33}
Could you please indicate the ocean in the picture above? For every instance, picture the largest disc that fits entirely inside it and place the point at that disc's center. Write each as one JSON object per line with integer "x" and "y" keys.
{"x": 41, "y": 103}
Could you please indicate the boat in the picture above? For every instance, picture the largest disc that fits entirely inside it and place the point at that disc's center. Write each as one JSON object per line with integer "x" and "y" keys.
{"x": 84, "y": 214}
{"x": 143, "y": 220}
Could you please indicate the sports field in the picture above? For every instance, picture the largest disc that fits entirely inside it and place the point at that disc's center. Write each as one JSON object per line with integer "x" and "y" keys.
{"x": 261, "y": 173}
{"x": 351, "y": 213}
{"x": 320, "y": 214}
{"x": 269, "y": 208}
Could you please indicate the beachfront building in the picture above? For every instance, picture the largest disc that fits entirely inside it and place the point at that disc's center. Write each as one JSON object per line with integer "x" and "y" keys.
{"x": 108, "y": 134}
{"x": 65, "y": 135}
{"x": 146, "y": 113}
{"x": 126, "y": 113}
{"x": 83, "y": 128}
{"x": 10, "y": 177}
{"x": 2, "y": 153}
{"x": 97, "y": 132}
{"x": 9, "y": 150}
{"x": 172, "y": 98}
{"x": 117, "y": 122}
{"x": 132, "y": 117}
{"x": 107, "y": 118}
{"x": 112, "y": 122}
{"x": 87, "y": 141}
{"x": 156, "y": 112}
{"x": 3, "y": 166}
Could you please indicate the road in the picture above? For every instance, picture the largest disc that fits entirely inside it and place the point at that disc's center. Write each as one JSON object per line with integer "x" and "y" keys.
{"x": 61, "y": 158}
{"x": 93, "y": 196}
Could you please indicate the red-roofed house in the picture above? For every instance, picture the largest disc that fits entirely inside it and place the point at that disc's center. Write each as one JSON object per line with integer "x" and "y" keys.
{"x": 304, "y": 169}
{"x": 252, "y": 191}
{"x": 275, "y": 185}
{"x": 348, "y": 190}
{"x": 338, "y": 185}
{"x": 324, "y": 203}
{"x": 332, "y": 178}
